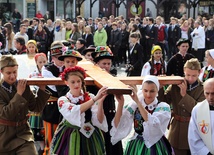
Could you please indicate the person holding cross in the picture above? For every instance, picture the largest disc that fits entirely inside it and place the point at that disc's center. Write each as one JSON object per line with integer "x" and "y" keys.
{"x": 150, "y": 118}
{"x": 16, "y": 100}
{"x": 79, "y": 133}
{"x": 183, "y": 97}
{"x": 201, "y": 126}
{"x": 50, "y": 115}
{"x": 103, "y": 58}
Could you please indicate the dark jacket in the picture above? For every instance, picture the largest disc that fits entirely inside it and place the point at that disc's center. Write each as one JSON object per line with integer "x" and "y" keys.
{"x": 137, "y": 60}
{"x": 174, "y": 35}
{"x": 125, "y": 39}
{"x": 176, "y": 64}
{"x": 89, "y": 39}
{"x": 115, "y": 38}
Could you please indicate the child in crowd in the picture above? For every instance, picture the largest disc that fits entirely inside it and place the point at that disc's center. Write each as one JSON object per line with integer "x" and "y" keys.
{"x": 156, "y": 65}
{"x": 35, "y": 119}
{"x": 208, "y": 71}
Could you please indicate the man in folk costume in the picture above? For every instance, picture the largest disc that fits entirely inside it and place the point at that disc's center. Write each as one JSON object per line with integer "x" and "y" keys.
{"x": 176, "y": 63}
{"x": 183, "y": 98}
{"x": 201, "y": 126}
{"x": 16, "y": 100}
{"x": 103, "y": 58}
{"x": 51, "y": 115}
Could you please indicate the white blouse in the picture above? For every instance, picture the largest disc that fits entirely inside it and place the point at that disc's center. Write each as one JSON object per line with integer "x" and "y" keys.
{"x": 71, "y": 112}
{"x": 147, "y": 67}
{"x": 154, "y": 128}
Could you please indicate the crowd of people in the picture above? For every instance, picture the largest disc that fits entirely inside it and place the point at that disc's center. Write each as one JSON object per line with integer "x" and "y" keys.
{"x": 75, "y": 119}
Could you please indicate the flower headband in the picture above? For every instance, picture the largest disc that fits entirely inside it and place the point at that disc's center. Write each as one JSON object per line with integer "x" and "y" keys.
{"x": 72, "y": 69}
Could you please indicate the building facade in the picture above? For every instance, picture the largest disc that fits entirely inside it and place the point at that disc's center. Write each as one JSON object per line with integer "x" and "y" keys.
{"x": 99, "y": 8}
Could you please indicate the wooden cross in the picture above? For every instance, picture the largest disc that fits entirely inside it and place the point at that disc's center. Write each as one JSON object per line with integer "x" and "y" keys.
{"x": 96, "y": 76}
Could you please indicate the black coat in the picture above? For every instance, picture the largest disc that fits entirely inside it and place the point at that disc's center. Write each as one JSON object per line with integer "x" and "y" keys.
{"x": 115, "y": 38}
{"x": 175, "y": 35}
{"x": 153, "y": 35}
{"x": 89, "y": 39}
{"x": 137, "y": 60}
{"x": 176, "y": 64}
{"x": 124, "y": 39}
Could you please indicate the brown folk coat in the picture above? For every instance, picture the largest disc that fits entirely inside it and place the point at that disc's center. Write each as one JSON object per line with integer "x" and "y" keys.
{"x": 14, "y": 107}
{"x": 182, "y": 106}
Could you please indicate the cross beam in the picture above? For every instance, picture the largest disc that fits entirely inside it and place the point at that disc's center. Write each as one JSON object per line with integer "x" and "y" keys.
{"x": 96, "y": 76}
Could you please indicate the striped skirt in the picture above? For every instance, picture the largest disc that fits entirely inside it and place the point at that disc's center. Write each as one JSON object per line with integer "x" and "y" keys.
{"x": 138, "y": 147}
{"x": 36, "y": 124}
{"x": 68, "y": 140}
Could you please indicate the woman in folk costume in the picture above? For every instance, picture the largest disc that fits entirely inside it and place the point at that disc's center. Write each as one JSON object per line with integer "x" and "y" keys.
{"x": 156, "y": 65}
{"x": 83, "y": 118}
{"x": 35, "y": 119}
{"x": 150, "y": 118}
{"x": 208, "y": 71}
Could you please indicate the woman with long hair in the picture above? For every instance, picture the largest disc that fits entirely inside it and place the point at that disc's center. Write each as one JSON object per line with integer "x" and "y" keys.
{"x": 68, "y": 27}
{"x": 88, "y": 36}
{"x": 156, "y": 65}
{"x": 59, "y": 31}
{"x": 185, "y": 30}
{"x": 40, "y": 36}
{"x": 75, "y": 35}
{"x": 9, "y": 37}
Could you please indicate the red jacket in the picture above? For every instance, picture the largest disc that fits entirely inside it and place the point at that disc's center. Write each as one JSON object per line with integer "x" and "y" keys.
{"x": 161, "y": 33}
{"x": 39, "y": 15}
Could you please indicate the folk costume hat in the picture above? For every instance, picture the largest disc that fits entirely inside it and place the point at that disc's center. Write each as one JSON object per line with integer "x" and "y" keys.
{"x": 70, "y": 53}
{"x": 181, "y": 41}
{"x": 211, "y": 51}
{"x": 91, "y": 48}
{"x": 56, "y": 48}
{"x": 102, "y": 52}
{"x": 155, "y": 48}
{"x": 8, "y": 61}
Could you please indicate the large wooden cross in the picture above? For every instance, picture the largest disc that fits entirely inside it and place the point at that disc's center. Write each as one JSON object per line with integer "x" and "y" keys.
{"x": 96, "y": 76}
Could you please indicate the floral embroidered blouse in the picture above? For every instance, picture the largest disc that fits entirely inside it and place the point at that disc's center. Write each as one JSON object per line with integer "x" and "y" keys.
{"x": 151, "y": 130}
{"x": 69, "y": 107}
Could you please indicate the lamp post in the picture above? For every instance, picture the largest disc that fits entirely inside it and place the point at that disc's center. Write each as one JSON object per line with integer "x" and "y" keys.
{"x": 194, "y": 4}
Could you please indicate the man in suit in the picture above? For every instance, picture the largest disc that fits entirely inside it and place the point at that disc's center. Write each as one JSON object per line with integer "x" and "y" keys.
{"x": 107, "y": 28}
{"x": 115, "y": 42}
{"x": 151, "y": 37}
{"x": 16, "y": 100}
{"x": 174, "y": 34}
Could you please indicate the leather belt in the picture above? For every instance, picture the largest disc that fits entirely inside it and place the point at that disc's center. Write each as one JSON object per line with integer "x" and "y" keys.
{"x": 181, "y": 118}
{"x": 11, "y": 123}
{"x": 52, "y": 99}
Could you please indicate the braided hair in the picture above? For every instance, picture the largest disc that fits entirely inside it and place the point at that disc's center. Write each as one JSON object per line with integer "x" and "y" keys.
{"x": 162, "y": 69}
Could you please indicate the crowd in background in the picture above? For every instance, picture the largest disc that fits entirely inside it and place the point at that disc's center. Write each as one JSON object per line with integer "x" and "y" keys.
{"x": 146, "y": 46}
